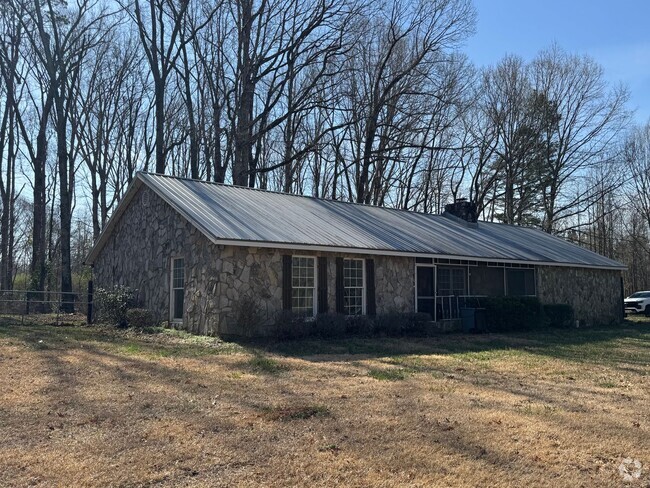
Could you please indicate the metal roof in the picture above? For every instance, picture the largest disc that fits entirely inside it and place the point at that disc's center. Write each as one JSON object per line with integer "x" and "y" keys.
{"x": 243, "y": 216}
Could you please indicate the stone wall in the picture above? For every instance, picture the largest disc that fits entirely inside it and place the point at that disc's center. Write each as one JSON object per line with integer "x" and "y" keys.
{"x": 238, "y": 290}
{"x": 594, "y": 294}
{"x": 229, "y": 290}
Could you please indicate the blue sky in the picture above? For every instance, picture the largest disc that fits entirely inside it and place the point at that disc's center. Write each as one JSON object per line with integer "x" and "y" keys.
{"x": 615, "y": 33}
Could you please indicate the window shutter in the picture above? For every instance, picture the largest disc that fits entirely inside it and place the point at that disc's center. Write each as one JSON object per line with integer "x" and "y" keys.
{"x": 371, "y": 306}
{"x": 340, "y": 287}
{"x": 286, "y": 282}
{"x": 322, "y": 285}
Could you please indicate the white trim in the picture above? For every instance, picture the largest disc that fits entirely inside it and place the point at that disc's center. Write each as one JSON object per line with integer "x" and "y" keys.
{"x": 386, "y": 252}
{"x": 315, "y": 261}
{"x": 173, "y": 320}
{"x": 363, "y": 277}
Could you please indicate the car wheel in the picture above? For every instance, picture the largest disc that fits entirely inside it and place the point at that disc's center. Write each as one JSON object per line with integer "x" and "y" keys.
{"x": 647, "y": 311}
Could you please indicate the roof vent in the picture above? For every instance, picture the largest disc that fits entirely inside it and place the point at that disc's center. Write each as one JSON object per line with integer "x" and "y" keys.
{"x": 462, "y": 210}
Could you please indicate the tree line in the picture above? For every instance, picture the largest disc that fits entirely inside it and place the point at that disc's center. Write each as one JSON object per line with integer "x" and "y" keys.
{"x": 371, "y": 102}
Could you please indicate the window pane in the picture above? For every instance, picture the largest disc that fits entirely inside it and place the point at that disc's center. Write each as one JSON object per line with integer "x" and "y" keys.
{"x": 303, "y": 284}
{"x": 178, "y": 287}
{"x": 179, "y": 296}
{"x": 353, "y": 286}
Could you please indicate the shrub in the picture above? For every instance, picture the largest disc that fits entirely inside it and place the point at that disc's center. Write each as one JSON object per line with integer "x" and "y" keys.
{"x": 112, "y": 304}
{"x": 329, "y": 325}
{"x": 141, "y": 318}
{"x": 417, "y": 324}
{"x": 360, "y": 325}
{"x": 396, "y": 324}
{"x": 391, "y": 324}
{"x": 559, "y": 315}
{"x": 290, "y": 326}
{"x": 504, "y": 314}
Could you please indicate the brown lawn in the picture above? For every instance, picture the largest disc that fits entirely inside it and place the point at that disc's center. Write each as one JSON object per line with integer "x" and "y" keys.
{"x": 84, "y": 406}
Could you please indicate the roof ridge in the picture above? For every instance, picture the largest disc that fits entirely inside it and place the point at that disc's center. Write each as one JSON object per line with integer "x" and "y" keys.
{"x": 310, "y": 197}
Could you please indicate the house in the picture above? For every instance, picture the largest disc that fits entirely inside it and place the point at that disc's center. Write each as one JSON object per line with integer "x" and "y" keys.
{"x": 206, "y": 255}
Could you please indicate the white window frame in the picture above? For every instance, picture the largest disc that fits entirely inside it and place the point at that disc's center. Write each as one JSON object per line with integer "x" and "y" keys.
{"x": 173, "y": 259}
{"x": 363, "y": 281}
{"x": 315, "y": 301}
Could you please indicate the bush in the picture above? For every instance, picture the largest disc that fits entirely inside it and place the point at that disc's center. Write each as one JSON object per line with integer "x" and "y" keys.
{"x": 290, "y": 326}
{"x": 329, "y": 325}
{"x": 391, "y": 324}
{"x": 396, "y": 324}
{"x": 559, "y": 315}
{"x": 359, "y": 325}
{"x": 417, "y": 324}
{"x": 141, "y": 318}
{"x": 112, "y": 304}
{"x": 505, "y": 314}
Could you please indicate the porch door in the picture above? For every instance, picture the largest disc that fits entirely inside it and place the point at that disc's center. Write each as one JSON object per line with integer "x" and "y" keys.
{"x": 425, "y": 277}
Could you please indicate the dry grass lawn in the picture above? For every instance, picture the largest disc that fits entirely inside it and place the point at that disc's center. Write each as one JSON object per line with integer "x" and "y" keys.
{"x": 84, "y": 406}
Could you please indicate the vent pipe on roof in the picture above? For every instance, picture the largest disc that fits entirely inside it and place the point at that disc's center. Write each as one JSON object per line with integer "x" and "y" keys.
{"x": 462, "y": 210}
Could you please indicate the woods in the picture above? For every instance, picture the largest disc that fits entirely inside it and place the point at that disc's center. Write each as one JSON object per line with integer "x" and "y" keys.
{"x": 368, "y": 102}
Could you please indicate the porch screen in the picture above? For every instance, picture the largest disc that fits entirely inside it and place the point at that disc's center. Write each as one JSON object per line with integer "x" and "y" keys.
{"x": 451, "y": 281}
{"x": 520, "y": 282}
{"x": 486, "y": 281}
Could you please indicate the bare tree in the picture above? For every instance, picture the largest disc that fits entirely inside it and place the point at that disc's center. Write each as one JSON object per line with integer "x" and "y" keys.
{"x": 60, "y": 38}
{"x": 590, "y": 117}
{"x": 10, "y": 39}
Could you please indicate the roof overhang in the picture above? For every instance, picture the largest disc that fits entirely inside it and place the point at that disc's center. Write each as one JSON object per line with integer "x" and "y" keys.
{"x": 139, "y": 181}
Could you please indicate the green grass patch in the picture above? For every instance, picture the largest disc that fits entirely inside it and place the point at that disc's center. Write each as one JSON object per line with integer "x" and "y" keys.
{"x": 392, "y": 374}
{"x": 264, "y": 364}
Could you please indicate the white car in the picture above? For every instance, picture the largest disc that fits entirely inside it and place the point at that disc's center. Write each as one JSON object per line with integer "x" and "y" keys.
{"x": 638, "y": 302}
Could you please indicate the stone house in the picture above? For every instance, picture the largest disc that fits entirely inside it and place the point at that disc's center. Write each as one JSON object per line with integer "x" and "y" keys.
{"x": 210, "y": 257}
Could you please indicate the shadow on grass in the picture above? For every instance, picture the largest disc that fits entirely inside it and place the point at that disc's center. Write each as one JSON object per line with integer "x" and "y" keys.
{"x": 158, "y": 342}
{"x": 625, "y": 344}
{"x": 628, "y": 343}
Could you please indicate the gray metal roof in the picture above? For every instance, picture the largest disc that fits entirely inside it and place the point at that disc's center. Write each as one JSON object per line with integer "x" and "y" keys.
{"x": 243, "y": 216}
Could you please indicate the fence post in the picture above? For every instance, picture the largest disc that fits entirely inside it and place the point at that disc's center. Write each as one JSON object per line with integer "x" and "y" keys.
{"x": 89, "y": 316}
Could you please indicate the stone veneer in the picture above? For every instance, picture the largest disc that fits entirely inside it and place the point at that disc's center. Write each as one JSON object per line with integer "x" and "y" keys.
{"x": 238, "y": 290}
{"x": 594, "y": 294}
{"x": 229, "y": 290}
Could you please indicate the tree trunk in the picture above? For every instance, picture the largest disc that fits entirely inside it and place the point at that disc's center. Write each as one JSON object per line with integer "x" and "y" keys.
{"x": 243, "y": 150}
{"x": 65, "y": 203}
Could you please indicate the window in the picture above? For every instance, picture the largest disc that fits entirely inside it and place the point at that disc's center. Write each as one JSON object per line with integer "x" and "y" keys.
{"x": 353, "y": 286}
{"x": 177, "y": 288}
{"x": 520, "y": 282}
{"x": 486, "y": 280}
{"x": 451, "y": 281}
{"x": 303, "y": 285}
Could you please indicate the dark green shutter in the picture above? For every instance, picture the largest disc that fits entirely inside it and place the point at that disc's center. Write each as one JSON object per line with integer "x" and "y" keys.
{"x": 286, "y": 282}
{"x": 371, "y": 306}
{"x": 340, "y": 287}
{"x": 322, "y": 285}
